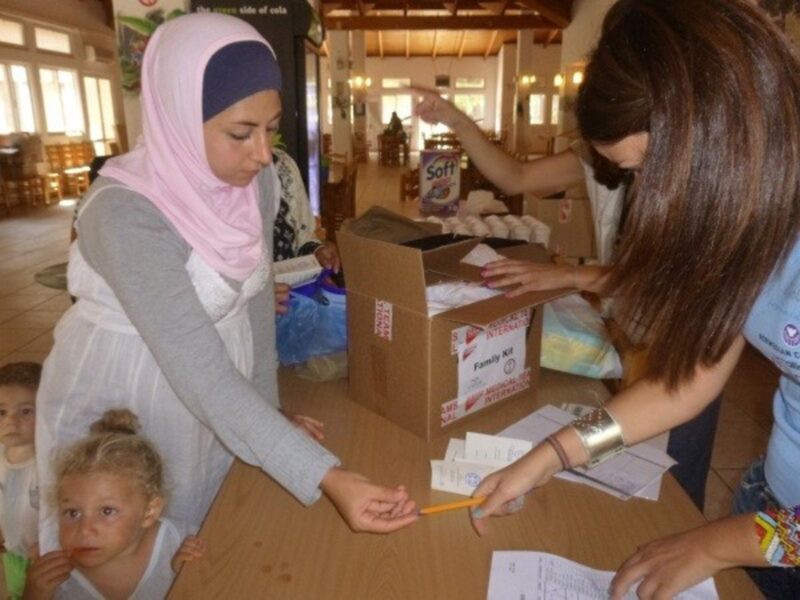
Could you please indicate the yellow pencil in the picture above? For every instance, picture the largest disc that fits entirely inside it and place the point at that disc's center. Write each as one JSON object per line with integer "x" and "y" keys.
{"x": 429, "y": 510}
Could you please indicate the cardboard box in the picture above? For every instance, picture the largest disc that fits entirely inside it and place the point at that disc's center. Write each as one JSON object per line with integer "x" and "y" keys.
{"x": 571, "y": 225}
{"x": 414, "y": 369}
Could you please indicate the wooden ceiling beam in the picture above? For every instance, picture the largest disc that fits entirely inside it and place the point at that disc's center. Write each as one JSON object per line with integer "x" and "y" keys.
{"x": 394, "y": 23}
{"x": 491, "y": 44}
{"x": 551, "y": 37}
{"x": 406, "y": 5}
{"x": 559, "y": 12}
{"x": 461, "y": 45}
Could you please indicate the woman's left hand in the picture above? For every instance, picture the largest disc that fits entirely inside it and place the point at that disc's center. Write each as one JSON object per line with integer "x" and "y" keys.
{"x": 367, "y": 507}
{"x": 328, "y": 256}
{"x": 315, "y": 429}
{"x": 672, "y": 564}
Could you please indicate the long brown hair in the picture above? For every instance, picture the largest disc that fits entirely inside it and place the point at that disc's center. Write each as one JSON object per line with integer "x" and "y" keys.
{"x": 717, "y": 87}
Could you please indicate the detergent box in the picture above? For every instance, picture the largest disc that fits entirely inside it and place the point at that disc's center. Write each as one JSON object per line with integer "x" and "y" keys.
{"x": 439, "y": 180}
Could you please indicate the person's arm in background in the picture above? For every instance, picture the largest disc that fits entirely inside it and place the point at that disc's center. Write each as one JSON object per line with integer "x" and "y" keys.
{"x": 524, "y": 276}
{"x": 542, "y": 177}
{"x": 300, "y": 216}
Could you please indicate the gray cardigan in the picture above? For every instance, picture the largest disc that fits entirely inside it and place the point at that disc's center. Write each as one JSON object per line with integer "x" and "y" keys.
{"x": 134, "y": 248}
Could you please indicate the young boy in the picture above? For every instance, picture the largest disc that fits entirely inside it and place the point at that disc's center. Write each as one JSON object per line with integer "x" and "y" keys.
{"x": 19, "y": 493}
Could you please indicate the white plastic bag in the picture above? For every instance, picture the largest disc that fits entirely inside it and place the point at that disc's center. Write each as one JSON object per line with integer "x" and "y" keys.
{"x": 575, "y": 340}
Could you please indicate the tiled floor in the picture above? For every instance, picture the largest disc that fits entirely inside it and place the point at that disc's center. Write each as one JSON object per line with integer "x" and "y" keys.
{"x": 33, "y": 239}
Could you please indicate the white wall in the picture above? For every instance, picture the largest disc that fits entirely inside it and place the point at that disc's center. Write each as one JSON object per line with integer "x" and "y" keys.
{"x": 580, "y": 37}
{"x": 544, "y": 63}
{"x": 578, "y": 41}
{"x": 422, "y": 71}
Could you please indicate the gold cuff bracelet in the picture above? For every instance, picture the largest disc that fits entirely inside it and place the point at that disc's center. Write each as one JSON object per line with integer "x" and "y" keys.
{"x": 600, "y": 435}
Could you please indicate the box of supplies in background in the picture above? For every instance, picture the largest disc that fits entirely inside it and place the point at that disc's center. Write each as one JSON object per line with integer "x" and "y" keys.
{"x": 426, "y": 373}
{"x": 571, "y": 225}
{"x": 439, "y": 180}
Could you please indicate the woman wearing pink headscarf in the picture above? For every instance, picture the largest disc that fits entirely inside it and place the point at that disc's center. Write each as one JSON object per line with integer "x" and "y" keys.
{"x": 175, "y": 311}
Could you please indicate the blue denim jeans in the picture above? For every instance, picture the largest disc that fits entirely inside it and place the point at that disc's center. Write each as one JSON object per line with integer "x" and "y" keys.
{"x": 753, "y": 495}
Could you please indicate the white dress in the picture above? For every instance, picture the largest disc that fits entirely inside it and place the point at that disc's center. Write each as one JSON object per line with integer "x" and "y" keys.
{"x": 19, "y": 504}
{"x": 157, "y": 577}
{"x": 99, "y": 362}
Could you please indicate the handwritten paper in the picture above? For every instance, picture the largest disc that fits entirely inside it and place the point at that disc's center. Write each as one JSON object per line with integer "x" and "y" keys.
{"x": 635, "y": 472}
{"x": 542, "y": 576}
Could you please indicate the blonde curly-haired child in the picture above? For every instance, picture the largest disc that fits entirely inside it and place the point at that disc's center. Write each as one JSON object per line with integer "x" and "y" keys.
{"x": 114, "y": 543}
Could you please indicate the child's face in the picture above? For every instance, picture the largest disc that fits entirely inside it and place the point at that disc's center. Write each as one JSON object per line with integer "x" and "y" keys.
{"x": 17, "y": 415}
{"x": 102, "y": 517}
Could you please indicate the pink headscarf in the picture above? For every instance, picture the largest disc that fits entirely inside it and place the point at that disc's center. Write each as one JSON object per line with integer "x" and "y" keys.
{"x": 222, "y": 223}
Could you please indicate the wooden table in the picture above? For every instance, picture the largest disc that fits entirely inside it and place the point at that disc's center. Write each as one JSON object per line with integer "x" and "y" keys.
{"x": 263, "y": 544}
{"x": 393, "y": 150}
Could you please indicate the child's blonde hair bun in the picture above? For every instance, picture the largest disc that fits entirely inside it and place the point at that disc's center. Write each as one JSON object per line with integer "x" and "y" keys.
{"x": 114, "y": 446}
{"x": 116, "y": 421}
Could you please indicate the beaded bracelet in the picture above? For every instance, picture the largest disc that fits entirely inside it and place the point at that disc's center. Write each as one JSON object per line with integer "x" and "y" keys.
{"x": 778, "y": 533}
{"x": 562, "y": 454}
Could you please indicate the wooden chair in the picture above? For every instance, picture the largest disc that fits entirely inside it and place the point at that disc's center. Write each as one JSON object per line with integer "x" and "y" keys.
{"x": 339, "y": 201}
{"x": 409, "y": 185}
{"x": 360, "y": 148}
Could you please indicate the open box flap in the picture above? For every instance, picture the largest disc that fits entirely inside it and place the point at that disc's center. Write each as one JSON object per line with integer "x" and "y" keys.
{"x": 481, "y": 314}
{"x": 445, "y": 259}
{"x": 385, "y": 271}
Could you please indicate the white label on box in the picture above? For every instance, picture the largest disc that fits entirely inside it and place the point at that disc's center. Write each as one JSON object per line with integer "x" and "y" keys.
{"x": 383, "y": 320}
{"x": 495, "y": 355}
{"x": 461, "y": 407}
{"x": 458, "y": 477}
{"x": 493, "y": 450}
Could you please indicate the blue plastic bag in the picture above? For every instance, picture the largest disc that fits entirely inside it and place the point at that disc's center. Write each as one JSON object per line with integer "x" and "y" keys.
{"x": 316, "y": 323}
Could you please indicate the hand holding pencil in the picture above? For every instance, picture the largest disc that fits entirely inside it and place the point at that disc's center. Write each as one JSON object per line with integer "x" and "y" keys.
{"x": 437, "y": 508}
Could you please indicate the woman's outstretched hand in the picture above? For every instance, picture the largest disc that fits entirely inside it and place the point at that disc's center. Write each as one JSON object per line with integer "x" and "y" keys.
{"x": 435, "y": 109}
{"x": 367, "y": 507}
{"x": 505, "y": 489}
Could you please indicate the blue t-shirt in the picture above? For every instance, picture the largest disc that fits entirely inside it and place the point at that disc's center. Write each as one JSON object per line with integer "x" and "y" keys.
{"x": 773, "y": 327}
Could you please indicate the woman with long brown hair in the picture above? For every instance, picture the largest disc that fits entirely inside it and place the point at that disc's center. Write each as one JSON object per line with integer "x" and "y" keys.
{"x": 702, "y": 99}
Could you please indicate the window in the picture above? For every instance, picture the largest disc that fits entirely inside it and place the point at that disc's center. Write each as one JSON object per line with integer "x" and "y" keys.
{"x": 554, "y": 106}
{"x": 401, "y": 104}
{"x": 53, "y": 41}
{"x": 100, "y": 105}
{"x": 473, "y": 105}
{"x": 62, "y": 106}
{"x": 12, "y": 33}
{"x": 16, "y": 105}
{"x": 475, "y": 83}
{"x": 426, "y": 130}
{"x": 537, "y": 103}
{"x": 394, "y": 83}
